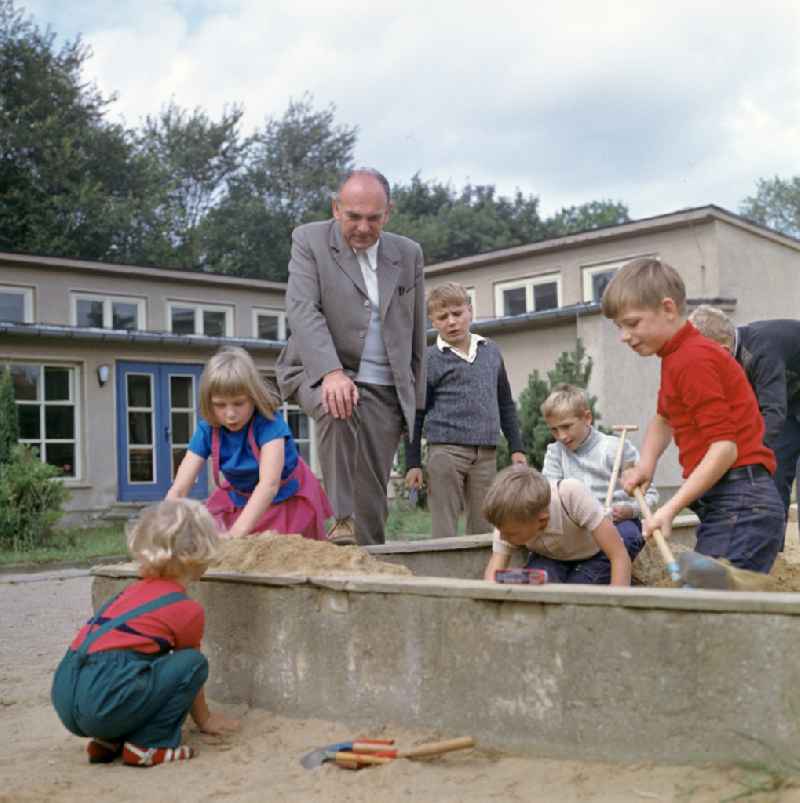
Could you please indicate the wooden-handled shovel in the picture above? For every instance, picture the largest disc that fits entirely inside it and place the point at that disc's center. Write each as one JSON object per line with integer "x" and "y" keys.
{"x": 661, "y": 542}
{"x": 355, "y": 760}
{"x": 701, "y": 571}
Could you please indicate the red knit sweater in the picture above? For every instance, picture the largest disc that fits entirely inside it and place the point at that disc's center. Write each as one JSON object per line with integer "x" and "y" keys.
{"x": 705, "y": 397}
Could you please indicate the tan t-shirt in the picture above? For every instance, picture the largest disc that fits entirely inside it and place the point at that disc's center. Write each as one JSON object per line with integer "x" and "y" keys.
{"x": 574, "y": 515}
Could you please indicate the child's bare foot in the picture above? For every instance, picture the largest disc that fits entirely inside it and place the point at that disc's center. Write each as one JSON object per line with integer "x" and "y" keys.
{"x": 102, "y": 752}
{"x": 150, "y": 756}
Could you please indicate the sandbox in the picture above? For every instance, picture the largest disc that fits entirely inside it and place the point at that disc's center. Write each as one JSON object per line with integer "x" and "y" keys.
{"x": 639, "y": 674}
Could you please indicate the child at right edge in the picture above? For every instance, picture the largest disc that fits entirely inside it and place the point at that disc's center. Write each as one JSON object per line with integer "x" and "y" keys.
{"x": 707, "y": 405}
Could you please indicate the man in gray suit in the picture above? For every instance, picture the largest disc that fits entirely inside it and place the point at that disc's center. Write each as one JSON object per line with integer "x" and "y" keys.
{"x": 355, "y": 358}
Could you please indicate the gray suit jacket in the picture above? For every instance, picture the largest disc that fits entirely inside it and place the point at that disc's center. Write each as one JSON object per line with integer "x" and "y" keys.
{"x": 327, "y": 309}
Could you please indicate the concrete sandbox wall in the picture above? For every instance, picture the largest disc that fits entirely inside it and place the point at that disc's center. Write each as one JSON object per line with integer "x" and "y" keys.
{"x": 559, "y": 671}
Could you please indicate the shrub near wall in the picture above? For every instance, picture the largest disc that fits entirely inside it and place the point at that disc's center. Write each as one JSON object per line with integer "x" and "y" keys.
{"x": 31, "y": 498}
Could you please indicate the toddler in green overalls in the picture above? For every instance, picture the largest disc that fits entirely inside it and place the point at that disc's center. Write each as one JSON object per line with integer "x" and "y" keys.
{"x": 135, "y": 670}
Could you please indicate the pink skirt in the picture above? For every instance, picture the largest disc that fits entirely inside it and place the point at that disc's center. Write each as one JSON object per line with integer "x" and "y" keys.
{"x": 304, "y": 512}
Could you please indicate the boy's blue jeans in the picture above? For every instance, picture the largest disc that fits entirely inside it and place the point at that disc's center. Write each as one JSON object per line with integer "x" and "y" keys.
{"x": 742, "y": 519}
{"x": 591, "y": 571}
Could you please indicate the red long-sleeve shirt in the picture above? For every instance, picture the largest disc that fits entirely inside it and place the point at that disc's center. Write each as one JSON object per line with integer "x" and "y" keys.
{"x": 705, "y": 397}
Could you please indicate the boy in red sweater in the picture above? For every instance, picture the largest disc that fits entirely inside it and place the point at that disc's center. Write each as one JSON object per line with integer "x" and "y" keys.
{"x": 707, "y": 405}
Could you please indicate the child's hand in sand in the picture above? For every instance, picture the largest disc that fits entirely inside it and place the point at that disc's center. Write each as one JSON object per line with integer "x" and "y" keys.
{"x": 217, "y": 724}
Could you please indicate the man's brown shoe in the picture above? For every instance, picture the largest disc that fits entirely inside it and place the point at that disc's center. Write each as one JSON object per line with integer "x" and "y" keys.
{"x": 343, "y": 532}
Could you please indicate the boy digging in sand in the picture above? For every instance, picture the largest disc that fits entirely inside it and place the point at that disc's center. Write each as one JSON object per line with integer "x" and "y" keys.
{"x": 707, "y": 405}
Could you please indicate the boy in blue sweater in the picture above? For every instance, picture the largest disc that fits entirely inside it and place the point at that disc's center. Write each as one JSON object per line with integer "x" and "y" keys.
{"x": 584, "y": 453}
{"x": 468, "y": 402}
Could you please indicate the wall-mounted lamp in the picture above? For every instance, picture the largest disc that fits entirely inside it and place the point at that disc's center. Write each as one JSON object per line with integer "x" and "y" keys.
{"x": 103, "y": 373}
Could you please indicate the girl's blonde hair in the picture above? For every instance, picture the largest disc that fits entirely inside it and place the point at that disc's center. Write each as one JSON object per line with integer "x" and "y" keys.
{"x": 172, "y": 538}
{"x": 232, "y": 372}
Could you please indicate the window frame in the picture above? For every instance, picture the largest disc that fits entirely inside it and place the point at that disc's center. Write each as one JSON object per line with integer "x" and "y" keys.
{"x": 268, "y": 375}
{"x": 473, "y": 298}
{"x": 273, "y": 311}
{"x": 108, "y": 300}
{"x": 41, "y": 403}
{"x": 27, "y": 299}
{"x": 199, "y": 307}
{"x": 528, "y": 283}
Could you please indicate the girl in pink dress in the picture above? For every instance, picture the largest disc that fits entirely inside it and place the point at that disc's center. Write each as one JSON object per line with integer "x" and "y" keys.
{"x": 262, "y": 482}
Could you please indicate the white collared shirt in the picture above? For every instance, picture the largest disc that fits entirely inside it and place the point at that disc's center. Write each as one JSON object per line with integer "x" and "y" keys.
{"x": 470, "y": 355}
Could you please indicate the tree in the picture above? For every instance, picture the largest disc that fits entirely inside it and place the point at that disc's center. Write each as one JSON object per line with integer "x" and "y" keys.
{"x": 68, "y": 178}
{"x": 295, "y": 163}
{"x": 9, "y": 421}
{"x": 572, "y": 367}
{"x": 450, "y": 224}
{"x": 776, "y": 204}
{"x": 195, "y": 157}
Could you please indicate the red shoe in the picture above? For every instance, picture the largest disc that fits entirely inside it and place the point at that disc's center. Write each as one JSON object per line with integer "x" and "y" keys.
{"x": 150, "y": 756}
{"x": 102, "y": 752}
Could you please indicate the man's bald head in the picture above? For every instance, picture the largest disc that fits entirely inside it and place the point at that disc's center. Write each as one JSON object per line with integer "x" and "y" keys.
{"x": 362, "y": 206}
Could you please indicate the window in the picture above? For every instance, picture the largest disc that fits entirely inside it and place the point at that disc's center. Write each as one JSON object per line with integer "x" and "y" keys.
{"x": 301, "y": 425}
{"x": 471, "y": 297}
{"x": 108, "y": 312}
{"x": 269, "y": 324}
{"x": 528, "y": 295}
{"x": 213, "y": 320}
{"x": 16, "y": 304}
{"x": 596, "y": 277}
{"x": 46, "y": 398}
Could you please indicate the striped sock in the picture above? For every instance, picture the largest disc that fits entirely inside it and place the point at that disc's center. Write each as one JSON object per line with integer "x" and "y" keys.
{"x": 150, "y": 756}
{"x": 102, "y": 752}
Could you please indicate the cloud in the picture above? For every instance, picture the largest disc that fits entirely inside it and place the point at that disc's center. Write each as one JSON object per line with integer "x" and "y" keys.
{"x": 659, "y": 105}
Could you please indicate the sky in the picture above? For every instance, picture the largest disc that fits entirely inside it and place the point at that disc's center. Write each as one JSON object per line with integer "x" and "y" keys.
{"x": 660, "y": 105}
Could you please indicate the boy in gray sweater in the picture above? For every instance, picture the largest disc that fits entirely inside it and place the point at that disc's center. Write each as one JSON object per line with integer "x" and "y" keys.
{"x": 584, "y": 453}
{"x": 468, "y": 402}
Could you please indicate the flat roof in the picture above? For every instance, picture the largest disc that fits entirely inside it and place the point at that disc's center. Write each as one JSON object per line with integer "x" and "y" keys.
{"x": 670, "y": 220}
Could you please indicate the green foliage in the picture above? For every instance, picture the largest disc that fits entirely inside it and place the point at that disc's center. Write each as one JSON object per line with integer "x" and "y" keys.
{"x": 69, "y": 180}
{"x": 293, "y": 167}
{"x": 572, "y": 367}
{"x": 9, "y": 420}
{"x": 193, "y": 158}
{"x": 31, "y": 500}
{"x": 776, "y": 204}
{"x": 450, "y": 224}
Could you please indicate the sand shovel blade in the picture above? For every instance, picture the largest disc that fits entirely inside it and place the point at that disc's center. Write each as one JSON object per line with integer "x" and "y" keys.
{"x": 316, "y": 758}
{"x": 700, "y": 571}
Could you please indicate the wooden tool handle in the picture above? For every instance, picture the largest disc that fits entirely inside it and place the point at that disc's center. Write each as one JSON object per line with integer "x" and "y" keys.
{"x": 371, "y": 745}
{"x": 437, "y": 748}
{"x": 360, "y": 758}
{"x": 612, "y": 482}
{"x": 661, "y": 542}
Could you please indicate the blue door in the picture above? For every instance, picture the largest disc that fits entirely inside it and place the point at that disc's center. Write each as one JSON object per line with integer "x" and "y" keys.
{"x": 157, "y": 411}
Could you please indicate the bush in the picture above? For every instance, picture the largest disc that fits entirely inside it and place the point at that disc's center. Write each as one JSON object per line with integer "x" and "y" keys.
{"x": 572, "y": 367}
{"x": 9, "y": 421}
{"x": 31, "y": 500}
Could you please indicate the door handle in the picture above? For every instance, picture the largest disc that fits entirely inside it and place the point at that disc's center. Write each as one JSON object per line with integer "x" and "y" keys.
{"x": 166, "y": 434}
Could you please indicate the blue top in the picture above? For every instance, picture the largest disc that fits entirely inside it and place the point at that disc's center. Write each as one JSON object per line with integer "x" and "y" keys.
{"x": 236, "y": 459}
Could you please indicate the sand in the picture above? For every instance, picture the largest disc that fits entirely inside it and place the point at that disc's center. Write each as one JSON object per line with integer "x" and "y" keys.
{"x": 286, "y": 555}
{"x": 40, "y": 762}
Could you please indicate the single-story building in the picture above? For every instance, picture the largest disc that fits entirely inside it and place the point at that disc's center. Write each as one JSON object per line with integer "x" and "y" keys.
{"x": 106, "y": 358}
